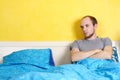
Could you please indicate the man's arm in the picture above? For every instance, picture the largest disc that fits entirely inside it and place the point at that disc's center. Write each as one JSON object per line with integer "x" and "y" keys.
{"x": 106, "y": 53}
{"x": 76, "y": 54}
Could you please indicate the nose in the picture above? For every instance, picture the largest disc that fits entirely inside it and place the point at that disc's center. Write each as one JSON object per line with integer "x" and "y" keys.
{"x": 84, "y": 29}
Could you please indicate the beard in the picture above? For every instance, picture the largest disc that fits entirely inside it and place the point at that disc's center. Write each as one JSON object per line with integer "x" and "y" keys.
{"x": 90, "y": 35}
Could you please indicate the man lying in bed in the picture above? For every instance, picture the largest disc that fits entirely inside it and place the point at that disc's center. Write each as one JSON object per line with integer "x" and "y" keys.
{"x": 91, "y": 46}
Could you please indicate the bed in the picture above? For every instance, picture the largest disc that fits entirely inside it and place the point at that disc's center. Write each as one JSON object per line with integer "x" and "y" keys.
{"x": 51, "y": 61}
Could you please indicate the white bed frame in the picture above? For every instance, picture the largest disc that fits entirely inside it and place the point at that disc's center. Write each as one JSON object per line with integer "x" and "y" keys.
{"x": 60, "y": 50}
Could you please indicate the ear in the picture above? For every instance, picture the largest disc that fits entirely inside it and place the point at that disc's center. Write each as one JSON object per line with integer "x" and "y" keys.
{"x": 95, "y": 26}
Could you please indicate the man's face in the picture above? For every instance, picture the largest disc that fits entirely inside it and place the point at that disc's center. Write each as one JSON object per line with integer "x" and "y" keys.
{"x": 87, "y": 27}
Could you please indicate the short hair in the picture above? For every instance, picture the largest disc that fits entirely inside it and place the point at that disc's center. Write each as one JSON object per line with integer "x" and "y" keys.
{"x": 93, "y": 19}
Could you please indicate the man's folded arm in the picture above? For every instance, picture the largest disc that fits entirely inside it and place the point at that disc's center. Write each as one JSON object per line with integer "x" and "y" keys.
{"x": 76, "y": 54}
{"x": 106, "y": 53}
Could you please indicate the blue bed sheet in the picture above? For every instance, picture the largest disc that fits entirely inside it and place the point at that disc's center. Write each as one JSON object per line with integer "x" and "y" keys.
{"x": 87, "y": 69}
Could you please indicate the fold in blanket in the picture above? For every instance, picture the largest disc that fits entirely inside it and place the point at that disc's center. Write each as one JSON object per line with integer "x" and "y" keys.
{"x": 87, "y": 69}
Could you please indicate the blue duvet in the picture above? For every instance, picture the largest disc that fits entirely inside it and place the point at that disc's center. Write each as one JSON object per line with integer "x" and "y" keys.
{"x": 87, "y": 69}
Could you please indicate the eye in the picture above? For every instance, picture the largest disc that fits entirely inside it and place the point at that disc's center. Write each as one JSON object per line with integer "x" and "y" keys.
{"x": 87, "y": 25}
{"x": 81, "y": 27}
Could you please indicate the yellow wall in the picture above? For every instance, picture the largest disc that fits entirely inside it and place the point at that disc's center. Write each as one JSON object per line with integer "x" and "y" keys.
{"x": 56, "y": 20}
